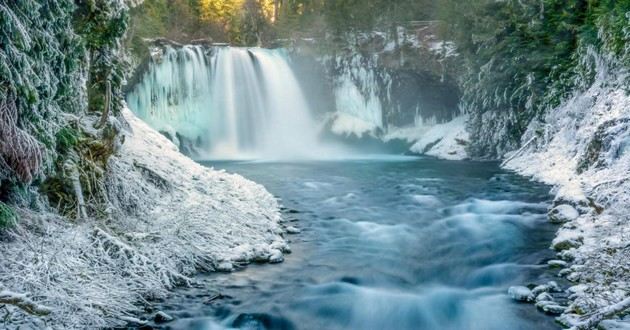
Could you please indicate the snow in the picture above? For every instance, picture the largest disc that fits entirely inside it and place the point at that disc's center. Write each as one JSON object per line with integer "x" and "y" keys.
{"x": 520, "y": 293}
{"x": 563, "y": 213}
{"x": 581, "y": 147}
{"x": 168, "y": 219}
{"x": 445, "y": 141}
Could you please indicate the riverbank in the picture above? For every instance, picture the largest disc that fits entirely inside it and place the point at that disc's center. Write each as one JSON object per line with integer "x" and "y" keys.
{"x": 581, "y": 148}
{"x": 168, "y": 219}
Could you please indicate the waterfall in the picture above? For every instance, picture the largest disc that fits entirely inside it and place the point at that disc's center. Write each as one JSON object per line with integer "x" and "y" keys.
{"x": 232, "y": 102}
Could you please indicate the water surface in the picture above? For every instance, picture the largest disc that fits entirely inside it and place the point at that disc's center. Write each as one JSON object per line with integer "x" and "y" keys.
{"x": 400, "y": 243}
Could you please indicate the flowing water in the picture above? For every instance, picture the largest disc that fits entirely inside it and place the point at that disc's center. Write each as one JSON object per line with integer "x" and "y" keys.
{"x": 234, "y": 102}
{"x": 386, "y": 243}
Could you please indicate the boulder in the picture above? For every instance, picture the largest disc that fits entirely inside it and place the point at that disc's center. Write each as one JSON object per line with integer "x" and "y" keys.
{"x": 521, "y": 293}
{"x": 276, "y": 256}
{"x": 161, "y": 317}
{"x": 563, "y": 213}
{"x": 550, "y": 307}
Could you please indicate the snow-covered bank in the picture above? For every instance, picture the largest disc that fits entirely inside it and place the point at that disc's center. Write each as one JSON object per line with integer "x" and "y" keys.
{"x": 583, "y": 149}
{"x": 168, "y": 218}
{"x": 445, "y": 141}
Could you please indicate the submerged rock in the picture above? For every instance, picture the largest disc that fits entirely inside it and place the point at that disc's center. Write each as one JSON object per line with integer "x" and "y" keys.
{"x": 521, "y": 293}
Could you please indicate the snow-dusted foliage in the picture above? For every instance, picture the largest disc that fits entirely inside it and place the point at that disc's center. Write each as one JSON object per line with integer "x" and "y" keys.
{"x": 58, "y": 59}
{"x": 20, "y": 153}
{"x": 583, "y": 148}
{"x": 40, "y": 77}
{"x": 522, "y": 58}
{"x": 170, "y": 218}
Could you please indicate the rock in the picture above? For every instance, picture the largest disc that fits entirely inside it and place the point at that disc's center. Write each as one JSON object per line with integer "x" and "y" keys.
{"x": 207, "y": 42}
{"x": 564, "y": 272}
{"x": 225, "y": 266}
{"x": 276, "y": 257}
{"x": 544, "y": 297}
{"x": 540, "y": 289}
{"x": 292, "y": 230}
{"x": 521, "y": 293}
{"x": 557, "y": 263}
{"x": 261, "y": 253}
{"x": 550, "y": 307}
{"x": 563, "y": 213}
{"x": 553, "y": 286}
{"x": 573, "y": 277}
{"x": 567, "y": 243}
{"x": 161, "y": 317}
{"x": 282, "y": 246}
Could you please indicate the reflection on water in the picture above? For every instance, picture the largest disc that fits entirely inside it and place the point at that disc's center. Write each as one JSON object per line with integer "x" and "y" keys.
{"x": 386, "y": 244}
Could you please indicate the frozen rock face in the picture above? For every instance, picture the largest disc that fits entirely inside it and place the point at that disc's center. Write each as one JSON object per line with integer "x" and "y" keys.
{"x": 385, "y": 83}
{"x": 385, "y": 95}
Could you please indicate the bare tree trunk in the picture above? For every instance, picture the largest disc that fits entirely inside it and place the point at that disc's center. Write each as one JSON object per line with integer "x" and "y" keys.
{"x": 108, "y": 101}
{"x": 22, "y": 302}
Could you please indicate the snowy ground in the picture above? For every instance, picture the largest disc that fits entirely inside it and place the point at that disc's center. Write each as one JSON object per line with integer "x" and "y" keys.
{"x": 583, "y": 149}
{"x": 169, "y": 218}
{"x": 445, "y": 141}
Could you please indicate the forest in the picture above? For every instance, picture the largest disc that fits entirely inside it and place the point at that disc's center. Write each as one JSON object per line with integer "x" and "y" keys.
{"x": 475, "y": 152}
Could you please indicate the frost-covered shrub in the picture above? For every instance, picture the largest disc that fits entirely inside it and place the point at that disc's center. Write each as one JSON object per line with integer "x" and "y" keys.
{"x": 59, "y": 59}
{"x": 527, "y": 56}
{"x": 102, "y": 25}
{"x": 39, "y": 78}
{"x": 8, "y": 217}
{"x": 20, "y": 153}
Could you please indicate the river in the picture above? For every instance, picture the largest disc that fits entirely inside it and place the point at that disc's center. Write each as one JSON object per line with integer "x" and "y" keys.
{"x": 386, "y": 243}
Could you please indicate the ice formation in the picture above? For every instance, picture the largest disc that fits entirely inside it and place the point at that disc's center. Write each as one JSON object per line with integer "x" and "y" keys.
{"x": 357, "y": 91}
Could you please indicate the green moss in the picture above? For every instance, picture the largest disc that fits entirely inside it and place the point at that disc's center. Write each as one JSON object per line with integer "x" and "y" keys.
{"x": 8, "y": 217}
{"x": 67, "y": 138}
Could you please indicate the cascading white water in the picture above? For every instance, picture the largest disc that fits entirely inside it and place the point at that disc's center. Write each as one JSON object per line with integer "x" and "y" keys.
{"x": 234, "y": 102}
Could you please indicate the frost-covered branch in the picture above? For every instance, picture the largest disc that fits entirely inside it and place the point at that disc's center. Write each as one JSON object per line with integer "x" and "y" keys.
{"x": 519, "y": 151}
{"x": 19, "y": 150}
{"x": 594, "y": 319}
